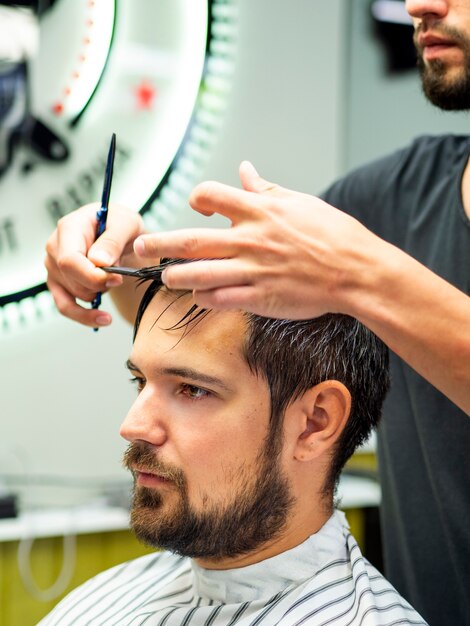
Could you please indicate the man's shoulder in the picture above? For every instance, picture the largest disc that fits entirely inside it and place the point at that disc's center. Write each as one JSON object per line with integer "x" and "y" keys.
{"x": 103, "y": 590}
{"x": 351, "y": 590}
{"x": 136, "y": 570}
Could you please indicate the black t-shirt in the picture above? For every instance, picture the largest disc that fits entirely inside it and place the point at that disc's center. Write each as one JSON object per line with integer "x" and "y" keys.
{"x": 413, "y": 200}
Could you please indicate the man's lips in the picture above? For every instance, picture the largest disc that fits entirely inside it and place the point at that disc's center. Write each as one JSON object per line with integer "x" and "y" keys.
{"x": 146, "y": 478}
{"x": 433, "y": 47}
{"x": 425, "y": 41}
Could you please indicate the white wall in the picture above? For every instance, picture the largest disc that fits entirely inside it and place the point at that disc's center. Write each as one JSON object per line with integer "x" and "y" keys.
{"x": 64, "y": 389}
{"x": 286, "y": 107}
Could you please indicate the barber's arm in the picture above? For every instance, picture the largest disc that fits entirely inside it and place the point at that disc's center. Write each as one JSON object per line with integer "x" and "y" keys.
{"x": 290, "y": 255}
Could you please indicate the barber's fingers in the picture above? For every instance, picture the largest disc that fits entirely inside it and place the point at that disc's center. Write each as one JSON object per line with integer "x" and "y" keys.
{"x": 236, "y": 204}
{"x": 263, "y": 299}
{"x": 79, "y": 276}
{"x": 73, "y": 254}
{"x": 73, "y": 270}
{"x": 67, "y": 305}
{"x": 206, "y": 275}
{"x": 226, "y": 298}
{"x": 189, "y": 243}
{"x": 252, "y": 181}
{"x": 122, "y": 228}
{"x": 251, "y": 298}
{"x": 67, "y": 247}
{"x": 74, "y": 231}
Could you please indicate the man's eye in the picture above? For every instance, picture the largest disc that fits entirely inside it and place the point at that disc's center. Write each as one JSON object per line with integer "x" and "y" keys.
{"x": 138, "y": 382}
{"x": 194, "y": 393}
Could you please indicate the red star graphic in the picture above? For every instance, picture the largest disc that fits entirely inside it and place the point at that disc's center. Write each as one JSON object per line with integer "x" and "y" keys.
{"x": 58, "y": 108}
{"x": 145, "y": 94}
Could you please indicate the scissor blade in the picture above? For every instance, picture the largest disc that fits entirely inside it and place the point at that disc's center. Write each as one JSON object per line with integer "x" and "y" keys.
{"x": 124, "y": 271}
{"x": 149, "y": 273}
{"x": 108, "y": 174}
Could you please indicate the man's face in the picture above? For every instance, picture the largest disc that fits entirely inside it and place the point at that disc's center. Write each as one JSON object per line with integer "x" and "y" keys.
{"x": 205, "y": 483}
{"x": 442, "y": 39}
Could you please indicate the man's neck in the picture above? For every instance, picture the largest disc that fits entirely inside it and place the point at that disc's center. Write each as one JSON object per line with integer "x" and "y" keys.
{"x": 298, "y": 531}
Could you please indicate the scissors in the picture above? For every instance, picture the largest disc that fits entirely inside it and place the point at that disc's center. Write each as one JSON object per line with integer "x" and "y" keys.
{"x": 143, "y": 272}
{"x": 102, "y": 213}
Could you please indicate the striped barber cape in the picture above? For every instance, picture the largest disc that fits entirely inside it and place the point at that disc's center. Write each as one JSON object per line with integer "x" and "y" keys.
{"x": 323, "y": 581}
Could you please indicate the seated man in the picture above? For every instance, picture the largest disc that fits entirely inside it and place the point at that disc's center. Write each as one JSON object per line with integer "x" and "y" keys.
{"x": 237, "y": 437}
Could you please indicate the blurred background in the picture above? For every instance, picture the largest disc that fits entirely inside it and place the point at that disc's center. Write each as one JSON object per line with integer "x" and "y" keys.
{"x": 304, "y": 89}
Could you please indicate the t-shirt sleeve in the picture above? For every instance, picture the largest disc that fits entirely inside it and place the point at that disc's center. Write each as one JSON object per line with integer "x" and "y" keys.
{"x": 371, "y": 193}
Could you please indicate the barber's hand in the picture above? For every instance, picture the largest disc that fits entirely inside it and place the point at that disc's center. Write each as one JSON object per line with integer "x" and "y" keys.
{"x": 287, "y": 254}
{"x": 72, "y": 257}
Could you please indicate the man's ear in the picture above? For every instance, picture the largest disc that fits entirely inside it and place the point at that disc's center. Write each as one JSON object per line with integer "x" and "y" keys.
{"x": 320, "y": 416}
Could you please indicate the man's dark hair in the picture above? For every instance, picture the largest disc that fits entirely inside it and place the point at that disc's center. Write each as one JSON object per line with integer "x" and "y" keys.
{"x": 294, "y": 356}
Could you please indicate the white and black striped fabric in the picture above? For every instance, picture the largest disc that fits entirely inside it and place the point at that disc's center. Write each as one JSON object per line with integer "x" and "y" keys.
{"x": 324, "y": 581}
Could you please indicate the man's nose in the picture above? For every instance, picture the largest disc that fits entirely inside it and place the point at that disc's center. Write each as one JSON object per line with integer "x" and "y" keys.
{"x": 421, "y": 9}
{"x": 143, "y": 422}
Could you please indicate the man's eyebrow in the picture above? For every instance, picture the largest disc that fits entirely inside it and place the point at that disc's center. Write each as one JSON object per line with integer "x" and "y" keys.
{"x": 185, "y": 372}
{"x": 194, "y": 375}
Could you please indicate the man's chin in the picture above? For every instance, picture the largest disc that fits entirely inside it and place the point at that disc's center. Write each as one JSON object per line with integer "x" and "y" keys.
{"x": 146, "y": 537}
{"x": 145, "y": 522}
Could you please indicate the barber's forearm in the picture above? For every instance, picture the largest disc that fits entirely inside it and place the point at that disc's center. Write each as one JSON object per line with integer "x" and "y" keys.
{"x": 421, "y": 317}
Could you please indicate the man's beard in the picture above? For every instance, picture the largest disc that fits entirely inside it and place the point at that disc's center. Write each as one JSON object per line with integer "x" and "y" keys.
{"x": 254, "y": 512}
{"x": 448, "y": 94}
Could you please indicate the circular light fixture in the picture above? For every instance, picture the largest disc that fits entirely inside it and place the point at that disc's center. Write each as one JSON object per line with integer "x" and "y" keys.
{"x": 155, "y": 73}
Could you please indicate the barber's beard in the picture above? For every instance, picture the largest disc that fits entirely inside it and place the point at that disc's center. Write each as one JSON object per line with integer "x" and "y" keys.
{"x": 254, "y": 512}
{"x": 446, "y": 92}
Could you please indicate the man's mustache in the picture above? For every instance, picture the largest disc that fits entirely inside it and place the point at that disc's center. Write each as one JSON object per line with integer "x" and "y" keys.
{"x": 141, "y": 457}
